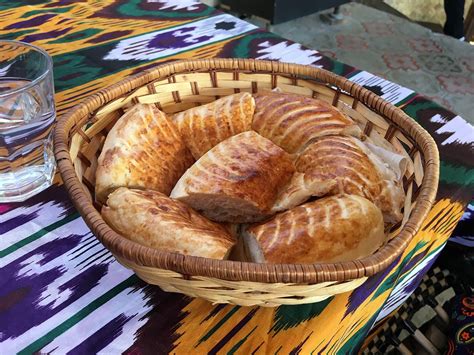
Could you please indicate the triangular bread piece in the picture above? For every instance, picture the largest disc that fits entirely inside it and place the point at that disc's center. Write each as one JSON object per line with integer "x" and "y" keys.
{"x": 238, "y": 180}
{"x": 142, "y": 150}
{"x": 152, "y": 219}
{"x": 327, "y": 230}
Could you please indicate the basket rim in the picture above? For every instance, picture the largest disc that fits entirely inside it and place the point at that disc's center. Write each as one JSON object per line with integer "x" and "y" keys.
{"x": 237, "y": 270}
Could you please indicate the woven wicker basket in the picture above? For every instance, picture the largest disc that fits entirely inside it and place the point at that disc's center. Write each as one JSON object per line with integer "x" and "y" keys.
{"x": 174, "y": 87}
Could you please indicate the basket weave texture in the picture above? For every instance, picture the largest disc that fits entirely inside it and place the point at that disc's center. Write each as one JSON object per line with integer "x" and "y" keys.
{"x": 81, "y": 132}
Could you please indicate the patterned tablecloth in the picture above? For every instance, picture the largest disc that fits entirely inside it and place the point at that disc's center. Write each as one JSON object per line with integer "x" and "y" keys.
{"x": 61, "y": 291}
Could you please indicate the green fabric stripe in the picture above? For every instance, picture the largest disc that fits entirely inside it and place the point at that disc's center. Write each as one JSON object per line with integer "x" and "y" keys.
{"x": 338, "y": 67}
{"x": 434, "y": 251}
{"x": 11, "y": 4}
{"x": 240, "y": 342}
{"x": 76, "y": 318}
{"x": 218, "y": 325}
{"x": 391, "y": 279}
{"x": 350, "y": 345}
{"x": 38, "y": 234}
{"x": 412, "y": 109}
{"x": 58, "y": 10}
{"x": 242, "y": 49}
{"x": 287, "y": 317}
{"x": 15, "y": 35}
{"x": 406, "y": 99}
{"x": 460, "y": 175}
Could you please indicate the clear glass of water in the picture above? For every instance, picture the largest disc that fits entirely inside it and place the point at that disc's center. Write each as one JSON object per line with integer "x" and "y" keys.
{"x": 27, "y": 115}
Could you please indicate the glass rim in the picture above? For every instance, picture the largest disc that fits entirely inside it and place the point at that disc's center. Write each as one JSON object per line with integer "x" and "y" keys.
{"x": 49, "y": 66}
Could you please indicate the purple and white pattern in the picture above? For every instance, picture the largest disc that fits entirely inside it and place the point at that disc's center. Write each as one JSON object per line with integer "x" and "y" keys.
{"x": 285, "y": 51}
{"x": 49, "y": 273}
{"x": 461, "y": 131}
{"x": 163, "y": 43}
{"x": 174, "y": 5}
{"x": 464, "y": 232}
{"x": 406, "y": 284}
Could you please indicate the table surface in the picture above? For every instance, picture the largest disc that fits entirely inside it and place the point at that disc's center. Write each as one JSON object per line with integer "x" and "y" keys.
{"x": 61, "y": 291}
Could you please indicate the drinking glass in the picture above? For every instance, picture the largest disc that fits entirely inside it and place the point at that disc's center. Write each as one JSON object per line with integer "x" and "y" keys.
{"x": 27, "y": 115}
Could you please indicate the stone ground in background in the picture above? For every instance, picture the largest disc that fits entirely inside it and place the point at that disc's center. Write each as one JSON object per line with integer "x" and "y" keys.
{"x": 426, "y": 11}
{"x": 437, "y": 66}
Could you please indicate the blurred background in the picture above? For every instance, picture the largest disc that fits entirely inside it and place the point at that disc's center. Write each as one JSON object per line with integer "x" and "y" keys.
{"x": 427, "y": 12}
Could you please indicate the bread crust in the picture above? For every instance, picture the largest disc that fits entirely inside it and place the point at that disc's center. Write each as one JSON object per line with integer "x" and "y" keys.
{"x": 238, "y": 180}
{"x": 142, "y": 150}
{"x": 152, "y": 219}
{"x": 205, "y": 126}
{"x": 331, "y": 229}
{"x": 292, "y": 121}
{"x": 342, "y": 164}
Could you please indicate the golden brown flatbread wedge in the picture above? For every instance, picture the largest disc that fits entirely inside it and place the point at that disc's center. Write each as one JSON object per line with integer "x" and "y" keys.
{"x": 142, "y": 150}
{"x": 152, "y": 219}
{"x": 237, "y": 181}
{"x": 292, "y": 121}
{"x": 327, "y": 230}
{"x": 343, "y": 164}
{"x": 205, "y": 126}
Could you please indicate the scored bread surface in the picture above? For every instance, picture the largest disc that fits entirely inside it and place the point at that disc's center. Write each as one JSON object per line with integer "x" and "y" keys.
{"x": 256, "y": 155}
{"x": 330, "y": 229}
{"x": 292, "y": 121}
{"x": 205, "y": 126}
{"x": 153, "y": 219}
{"x": 142, "y": 150}
{"x": 238, "y": 180}
{"x": 342, "y": 164}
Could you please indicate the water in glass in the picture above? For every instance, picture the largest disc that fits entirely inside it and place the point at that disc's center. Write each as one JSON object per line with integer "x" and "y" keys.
{"x": 27, "y": 116}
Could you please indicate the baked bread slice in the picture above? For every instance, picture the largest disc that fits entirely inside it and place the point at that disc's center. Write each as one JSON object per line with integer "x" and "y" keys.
{"x": 293, "y": 121}
{"x": 327, "y": 230}
{"x": 343, "y": 164}
{"x": 237, "y": 181}
{"x": 152, "y": 219}
{"x": 205, "y": 126}
{"x": 142, "y": 150}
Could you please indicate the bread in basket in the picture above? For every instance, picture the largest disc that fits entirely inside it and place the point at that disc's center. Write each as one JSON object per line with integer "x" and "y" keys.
{"x": 175, "y": 87}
